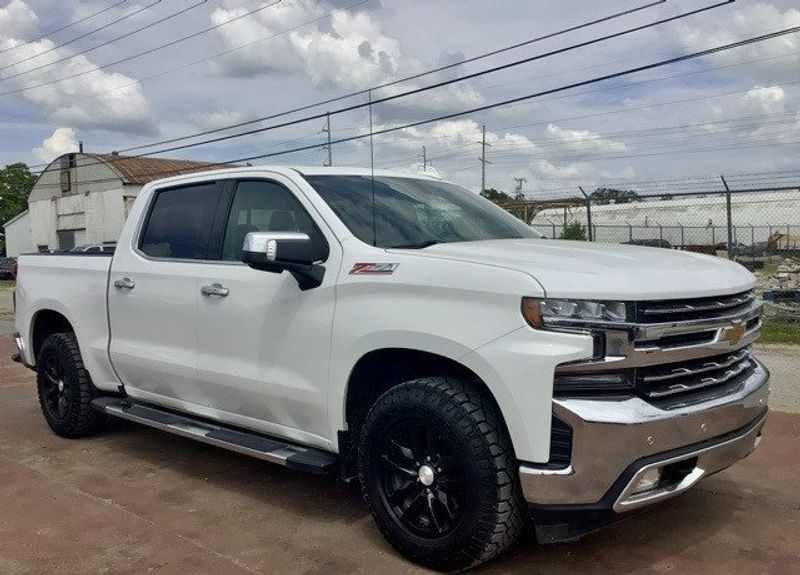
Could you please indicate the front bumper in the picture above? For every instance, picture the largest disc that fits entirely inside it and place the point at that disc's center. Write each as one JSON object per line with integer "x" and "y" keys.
{"x": 616, "y": 440}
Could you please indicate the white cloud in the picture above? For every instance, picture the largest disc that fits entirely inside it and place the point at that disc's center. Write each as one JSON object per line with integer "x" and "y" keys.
{"x": 211, "y": 120}
{"x": 583, "y": 141}
{"x": 777, "y": 56}
{"x": 16, "y": 17}
{"x": 277, "y": 55}
{"x": 89, "y": 100}
{"x": 765, "y": 99}
{"x": 352, "y": 53}
{"x": 62, "y": 141}
{"x": 461, "y": 135}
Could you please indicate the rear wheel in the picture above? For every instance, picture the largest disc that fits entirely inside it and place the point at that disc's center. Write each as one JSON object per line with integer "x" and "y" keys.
{"x": 65, "y": 390}
{"x": 439, "y": 474}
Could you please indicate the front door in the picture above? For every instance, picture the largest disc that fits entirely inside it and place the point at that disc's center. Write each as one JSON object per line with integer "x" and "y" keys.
{"x": 263, "y": 344}
{"x": 152, "y": 297}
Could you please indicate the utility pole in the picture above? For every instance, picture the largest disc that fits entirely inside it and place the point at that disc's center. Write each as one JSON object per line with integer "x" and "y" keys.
{"x": 589, "y": 215}
{"x": 730, "y": 219}
{"x": 518, "y": 186}
{"x": 483, "y": 159}
{"x": 424, "y": 159}
{"x": 327, "y": 130}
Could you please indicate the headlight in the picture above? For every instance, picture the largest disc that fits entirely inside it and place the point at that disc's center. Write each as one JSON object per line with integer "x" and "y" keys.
{"x": 540, "y": 313}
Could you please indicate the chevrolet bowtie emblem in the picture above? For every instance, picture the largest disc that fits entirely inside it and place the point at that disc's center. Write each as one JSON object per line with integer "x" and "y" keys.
{"x": 733, "y": 333}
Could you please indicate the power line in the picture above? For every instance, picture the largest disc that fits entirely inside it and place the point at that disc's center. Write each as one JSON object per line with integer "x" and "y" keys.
{"x": 231, "y": 126}
{"x": 643, "y": 132}
{"x": 629, "y": 71}
{"x": 80, "y": 37}
{"x": 669, "y": 151}
{"x": 654, "y": 65}
{"x": 140, "y": 54}
{"x": 142, "y": 79}
{"x": 436, "y": 85}
{"x": 395, "y": 82}
{"x": 361, "y": 92}
{"x": 64, "y": 27}
{"x": 636, "y": 108}
{"x": 101, "y": 45}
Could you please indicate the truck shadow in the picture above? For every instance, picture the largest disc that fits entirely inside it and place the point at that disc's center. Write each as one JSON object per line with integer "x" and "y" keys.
{"x": 209, "y": 477}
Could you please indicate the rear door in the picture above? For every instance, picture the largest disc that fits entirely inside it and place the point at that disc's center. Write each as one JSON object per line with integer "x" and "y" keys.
{"x": 263, "y": 347}
{"x": 152, "y": 296}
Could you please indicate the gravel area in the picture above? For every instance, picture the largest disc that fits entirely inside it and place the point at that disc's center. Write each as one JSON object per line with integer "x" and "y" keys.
{"x": 137, "y": 500}
{"x": 783, "y": 362}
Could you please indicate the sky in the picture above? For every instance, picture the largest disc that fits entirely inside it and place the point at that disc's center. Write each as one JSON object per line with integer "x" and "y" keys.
{"x": 117, "y": 74}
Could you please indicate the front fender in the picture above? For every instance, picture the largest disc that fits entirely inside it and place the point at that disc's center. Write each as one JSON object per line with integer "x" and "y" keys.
{"x": 518, "y": 369}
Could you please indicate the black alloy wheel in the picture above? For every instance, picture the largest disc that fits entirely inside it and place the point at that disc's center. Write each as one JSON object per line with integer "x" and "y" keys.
{"x": 65, "y": 388}
{"x": 56, "y": 398}
{"x": 422, "y": 482}
{"x": 438, "y": 473}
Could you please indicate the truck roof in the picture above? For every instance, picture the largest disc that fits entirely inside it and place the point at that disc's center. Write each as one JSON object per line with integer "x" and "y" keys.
{"x": 290, "y": 170}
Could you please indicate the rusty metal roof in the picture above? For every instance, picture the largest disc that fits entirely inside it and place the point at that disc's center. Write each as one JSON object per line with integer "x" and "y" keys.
{"x": 142, "y": 169}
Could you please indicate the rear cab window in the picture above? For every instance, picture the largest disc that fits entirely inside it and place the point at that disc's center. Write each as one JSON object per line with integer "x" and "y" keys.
{"x": 180, "y": 222}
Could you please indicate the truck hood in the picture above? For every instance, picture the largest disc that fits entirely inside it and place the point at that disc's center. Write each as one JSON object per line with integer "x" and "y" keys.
{"x": 574, "y": 269}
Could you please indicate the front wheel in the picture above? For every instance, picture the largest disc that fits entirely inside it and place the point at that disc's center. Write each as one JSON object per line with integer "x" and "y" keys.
{"x": 65, "y": 390}
{"x": 439, "y": 475}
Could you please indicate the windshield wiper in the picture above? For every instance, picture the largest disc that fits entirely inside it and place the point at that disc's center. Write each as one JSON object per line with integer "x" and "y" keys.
{"x": 418, "y": 246}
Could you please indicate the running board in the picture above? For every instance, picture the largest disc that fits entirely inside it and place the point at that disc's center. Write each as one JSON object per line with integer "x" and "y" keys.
{"x": 248, "y": 443}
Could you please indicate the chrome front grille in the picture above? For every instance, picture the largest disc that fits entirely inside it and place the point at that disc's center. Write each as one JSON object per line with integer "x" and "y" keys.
{"x": 696, "y": 308}
{"x": 665, "y": 380}
{"x": 688, "y": 351}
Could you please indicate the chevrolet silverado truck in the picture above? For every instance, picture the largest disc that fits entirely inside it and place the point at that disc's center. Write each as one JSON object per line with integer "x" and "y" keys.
{"x": 474, "y": 376}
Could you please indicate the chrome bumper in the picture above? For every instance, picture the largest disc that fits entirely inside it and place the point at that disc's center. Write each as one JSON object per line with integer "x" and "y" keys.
{"x": 615, "y": 440}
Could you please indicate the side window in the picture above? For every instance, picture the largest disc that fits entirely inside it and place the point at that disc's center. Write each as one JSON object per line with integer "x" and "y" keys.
{"x": 262, "y": 206}
{"x": 180, "y": 221}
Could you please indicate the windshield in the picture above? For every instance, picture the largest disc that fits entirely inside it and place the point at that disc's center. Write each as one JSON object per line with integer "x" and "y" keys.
{"x": 415, "y": 213}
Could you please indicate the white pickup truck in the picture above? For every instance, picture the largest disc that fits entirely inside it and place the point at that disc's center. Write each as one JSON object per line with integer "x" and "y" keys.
{"x": 404, "y": 331}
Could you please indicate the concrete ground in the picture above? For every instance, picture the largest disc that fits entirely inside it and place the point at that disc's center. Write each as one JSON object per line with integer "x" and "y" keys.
{"x": 783, "y": 362}
{"x": 6, "y": 311}
{"x": 135, "y": 500}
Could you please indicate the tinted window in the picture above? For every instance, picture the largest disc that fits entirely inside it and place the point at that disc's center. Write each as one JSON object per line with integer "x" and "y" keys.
{"x": 261, "y": 206}
{"x": 412, "y": 212}
{"x": 179, "y": 225}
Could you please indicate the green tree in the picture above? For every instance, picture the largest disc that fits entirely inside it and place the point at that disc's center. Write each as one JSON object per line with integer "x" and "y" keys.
{"x": 16, "y": 183}
{"x": 613, "y": 196}
{"x": 496, "y": 196}
{"x": 573, "y": 231}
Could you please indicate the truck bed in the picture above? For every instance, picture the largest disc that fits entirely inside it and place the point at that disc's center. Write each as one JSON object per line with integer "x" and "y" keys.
{"x": 74, "y": 285}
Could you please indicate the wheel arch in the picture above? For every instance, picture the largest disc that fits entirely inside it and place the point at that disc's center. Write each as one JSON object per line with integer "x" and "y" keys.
{"x": 44, "y": 323}
{"x": 378, "y": 371}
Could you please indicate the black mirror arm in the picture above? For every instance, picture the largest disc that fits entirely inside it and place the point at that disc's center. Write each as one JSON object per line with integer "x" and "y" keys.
{"x": 308, "y": 278}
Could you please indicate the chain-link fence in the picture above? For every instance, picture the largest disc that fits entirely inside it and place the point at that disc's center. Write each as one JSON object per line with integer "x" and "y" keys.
{"x": 753, "y": 227}
{"x": 758, "y": 228}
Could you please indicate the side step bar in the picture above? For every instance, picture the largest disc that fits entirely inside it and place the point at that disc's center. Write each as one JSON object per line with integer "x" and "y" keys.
{"x": 248, "y": 443}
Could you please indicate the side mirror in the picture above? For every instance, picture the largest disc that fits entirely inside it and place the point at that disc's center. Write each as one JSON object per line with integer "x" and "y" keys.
{"x": 278, "y": 251}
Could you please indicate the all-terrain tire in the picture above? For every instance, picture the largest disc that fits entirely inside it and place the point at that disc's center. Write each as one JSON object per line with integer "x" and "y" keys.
{"x": 472, "y": 444}
{"x": 65, "y": 389}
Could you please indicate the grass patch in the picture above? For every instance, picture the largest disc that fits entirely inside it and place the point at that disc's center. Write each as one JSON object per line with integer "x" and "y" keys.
{"x": 770, "y": 267}
{"x": 780, "y": 331}
{"x": 6, "y": 285}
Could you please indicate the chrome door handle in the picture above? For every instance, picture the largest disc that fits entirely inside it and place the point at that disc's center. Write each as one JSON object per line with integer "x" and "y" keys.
{"x": 125, "y": 283}
{"x": 214, "y": 289}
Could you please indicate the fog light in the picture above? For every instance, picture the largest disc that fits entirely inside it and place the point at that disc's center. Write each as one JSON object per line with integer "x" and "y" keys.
{"x": 648, "y": 480}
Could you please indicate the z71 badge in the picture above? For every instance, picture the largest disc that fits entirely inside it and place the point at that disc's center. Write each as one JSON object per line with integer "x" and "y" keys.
{"x": 373, "y": 268}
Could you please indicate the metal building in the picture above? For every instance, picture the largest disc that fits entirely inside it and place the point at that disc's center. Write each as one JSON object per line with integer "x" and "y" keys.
{"x": 85, "y": 198}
